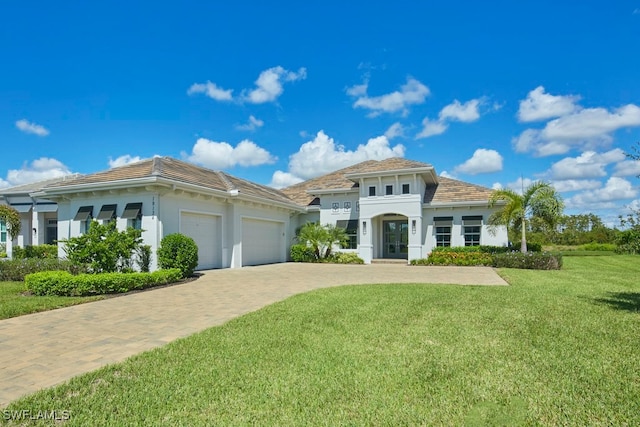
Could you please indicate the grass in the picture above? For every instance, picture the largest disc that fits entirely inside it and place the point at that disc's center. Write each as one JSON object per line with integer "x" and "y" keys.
{"x": 555, "y": 348}
{"x": 15, "y": 302}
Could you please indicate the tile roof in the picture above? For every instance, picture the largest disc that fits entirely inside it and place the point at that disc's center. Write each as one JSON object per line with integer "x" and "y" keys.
{"x": 447, "y": 190}
{"x": 338, "y": 180}
{"x": 178, "y": 171}
{"x": 452, "y": 190}
{"x": 36, "y": 186}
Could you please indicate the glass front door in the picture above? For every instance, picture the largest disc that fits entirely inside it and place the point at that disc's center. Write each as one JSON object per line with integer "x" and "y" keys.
{"x": 396, "y": 239}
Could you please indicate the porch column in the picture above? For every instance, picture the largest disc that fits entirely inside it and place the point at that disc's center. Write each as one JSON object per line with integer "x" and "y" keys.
{"x": 415, "y": 238}
{"x": 365, "y": 248}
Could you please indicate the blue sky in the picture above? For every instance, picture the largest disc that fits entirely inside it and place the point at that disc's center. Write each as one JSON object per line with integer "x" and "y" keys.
{"x": 276, "y": 92}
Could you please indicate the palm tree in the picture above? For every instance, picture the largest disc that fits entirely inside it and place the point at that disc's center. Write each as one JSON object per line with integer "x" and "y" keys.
{"x": 539, "y": 200}
{"x": 335, "y": 236}
{"x": 314, "y": 235}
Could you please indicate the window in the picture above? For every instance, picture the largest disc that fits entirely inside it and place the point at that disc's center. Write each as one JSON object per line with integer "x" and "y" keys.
{"x": 406, "y": 189}
{"x": 443, "y": 230}
{"x": 107, "y": 213}
{"x": 51, "y": 235}
{"x": 471, "y": 227}
{"x": 85, "y": 216}
{"x": 3, "y": 232}
{"x": 388, "y": 190}
{"x": 347, "y": 206}
{"x": 351, "y": 228}
{"x": 372, "y": 191}
{"x": 335, "y": 207}
{"x": 133, "y": 214}
{"x": 443, "y": 236}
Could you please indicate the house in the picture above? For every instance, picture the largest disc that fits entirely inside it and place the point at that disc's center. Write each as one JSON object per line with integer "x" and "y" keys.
{"x": 394, "y": 208}
{"x": 38, "y": 216}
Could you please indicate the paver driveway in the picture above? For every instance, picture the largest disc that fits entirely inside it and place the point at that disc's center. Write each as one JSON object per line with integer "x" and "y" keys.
{"x": 43, "y": 349}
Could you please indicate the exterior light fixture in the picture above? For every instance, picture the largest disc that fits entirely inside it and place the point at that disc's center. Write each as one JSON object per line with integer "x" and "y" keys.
{"x": 413, "y": 226}
{"x": 364, "y": 227}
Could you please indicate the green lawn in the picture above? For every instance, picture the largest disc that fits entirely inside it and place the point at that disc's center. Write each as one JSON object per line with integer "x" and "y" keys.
{"x": 555, "y": 348}
{"x": 14, "y": 303}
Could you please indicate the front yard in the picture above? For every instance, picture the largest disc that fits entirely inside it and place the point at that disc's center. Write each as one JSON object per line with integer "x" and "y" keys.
{"x": 15, "y": 301}
{"x": 555, "y": 348}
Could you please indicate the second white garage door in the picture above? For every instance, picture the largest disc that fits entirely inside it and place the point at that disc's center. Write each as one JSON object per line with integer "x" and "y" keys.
{"x": 204, "y": 230}
{"x": 262, "y": 242}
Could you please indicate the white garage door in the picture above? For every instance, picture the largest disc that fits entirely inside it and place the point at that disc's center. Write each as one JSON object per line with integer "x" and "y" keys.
{"x": 262, "y": 242}
{"x": 204, "y": 230}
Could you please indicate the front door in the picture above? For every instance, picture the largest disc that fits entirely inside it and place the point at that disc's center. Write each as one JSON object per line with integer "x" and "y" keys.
{"x": 396, "y": 239}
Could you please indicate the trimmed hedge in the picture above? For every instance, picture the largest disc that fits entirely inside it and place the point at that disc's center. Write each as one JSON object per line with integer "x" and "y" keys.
{"x": 63, "y": 283}
{"x": 482, "y": 256}
{"x": 37, "y": 251}
{"x": 15, "y": 270}
{"x": 461, "y": 258}
{"x": 530, "y": 260}
{"x": 531, "y": 247}
{"x": 466, "y": 249}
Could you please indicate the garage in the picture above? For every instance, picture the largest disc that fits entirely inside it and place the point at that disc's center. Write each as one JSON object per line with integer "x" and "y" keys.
{"x": 204, "y": 229}
{"x": 262, "y": 242}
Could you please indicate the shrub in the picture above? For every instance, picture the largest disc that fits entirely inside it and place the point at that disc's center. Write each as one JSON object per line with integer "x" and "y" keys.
{"x": 531, "y": 247}
{"x": 461, "y": 258}
{"x": 302, "y": 253}
{"x": 482, "y": 248}
{"x": 598, "y": 247}
{"x": 104, "y": 248}
{"x": 345, "y": 258}
{"x": 17, "y": 269}
{"x": 37, "y": 251}
{"x": 178, "y": 251}
{"x": 63, "y": 283}
{"x": 530, "y": 260}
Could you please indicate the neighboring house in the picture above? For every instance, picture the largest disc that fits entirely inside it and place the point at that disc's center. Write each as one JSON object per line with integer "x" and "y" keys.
{"x": 38, "y": 215}
{"x": 394, "y": 208}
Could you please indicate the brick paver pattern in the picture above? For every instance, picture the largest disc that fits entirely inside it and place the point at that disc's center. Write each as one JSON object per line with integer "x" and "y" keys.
{"x": 44, "y": 349}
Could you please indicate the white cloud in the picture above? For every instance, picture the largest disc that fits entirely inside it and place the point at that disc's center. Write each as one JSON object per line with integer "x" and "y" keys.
{"x": 251, "y": 125}
{"x": 211, "y": 90}
{"x": 394, "y": 131}
{"x": 322, "y": 155}
{"x": 576, "y": 185}
{"x": 269, "y": 84}
{"x": 447, "y": 175}
{"x": 588, "y": 128}
{"x": 482, "y": 161}
{"x": 539, "y": 105}
{"x": 467, "y": 112}
{"x": 39, "y": 170}
{"x": 627, "y": 168}
{"x": 411, "y": 93}
{"x": 283, "y": 179}
{"x": 432, "y": 128}
{"x": 33, "y": 128}
{"x": 124, "y": 160}
{"x": 615, "y": 189}
{"x": 587, "y": 165}
{"x": 456, "y": 111}
{"x": 221, "y": 155}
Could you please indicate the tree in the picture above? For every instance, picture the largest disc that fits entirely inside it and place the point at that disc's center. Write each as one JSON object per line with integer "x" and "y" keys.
{"x": 12, "y": 218}
{"x": 628, "y": 240}
{"x": 539, "y": 201}
{"x": 322, "y": 238}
